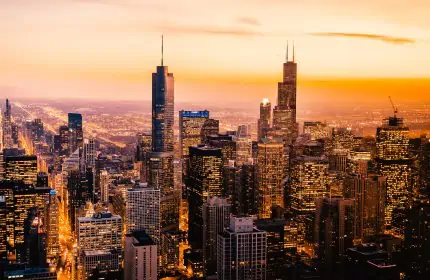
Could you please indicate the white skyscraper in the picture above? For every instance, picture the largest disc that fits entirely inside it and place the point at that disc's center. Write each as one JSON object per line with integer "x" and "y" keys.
{"x": 242, "y": 251}
{"x": 216, "y": 217}
{"x": 143, "y": 211}
{"x": 104, "y": 186}
{"x": 89, "y": 155}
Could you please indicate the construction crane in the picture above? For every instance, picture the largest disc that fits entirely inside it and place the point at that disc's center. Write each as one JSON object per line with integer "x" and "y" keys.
{"x": 394, "y": 107}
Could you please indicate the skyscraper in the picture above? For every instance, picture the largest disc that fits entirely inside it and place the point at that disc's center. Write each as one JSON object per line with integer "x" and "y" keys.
{"x": 210, "y": 127}
{"x": 89, "y": 153}
{"x": 76, "y": 134}
{"x": 104, "y": 186}
{"x": 190, "y": 129}
{"x": 143, "y": 211}
{"x": 162, "y": 108}
{"x": 216, "y": 217}
{"x": 21, "y": 168}
{"x": 7, "y": 126}
{"x": 270, "y": 174}
{"x": 64, "y": 140}
{"x": 284, "y": 114}
{"x": 140, "y": 258}
{"x": 392, "y": 156}
{"x": 242, "y": 251}
{"x": 265, "y": 118}
{"x": 369, "y": 194}
{"x": 205, "y": 180}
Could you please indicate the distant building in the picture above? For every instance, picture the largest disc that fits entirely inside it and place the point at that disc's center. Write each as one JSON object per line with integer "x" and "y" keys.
{"x": 89, "y": 153}
{"x": 317, "y": 130}
{"x": 210, "y": 127}
{"x": 76, "y": 134}
{"x": 140, "y": 257}
{"x": 242, "y": 251}
{"x": 265, "y": 119}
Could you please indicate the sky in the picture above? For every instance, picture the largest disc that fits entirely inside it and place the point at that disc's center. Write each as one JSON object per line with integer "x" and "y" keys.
{"x": 219, "y": 51}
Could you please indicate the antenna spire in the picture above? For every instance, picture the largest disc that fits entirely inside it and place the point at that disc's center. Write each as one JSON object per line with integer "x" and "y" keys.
{"x": 294, "y": 53}
{"x": 162, "y": 49}
{"x": 286, "y": 56}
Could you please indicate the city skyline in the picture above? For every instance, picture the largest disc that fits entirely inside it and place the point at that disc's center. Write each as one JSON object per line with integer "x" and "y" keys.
{"x": 97, "y": 49}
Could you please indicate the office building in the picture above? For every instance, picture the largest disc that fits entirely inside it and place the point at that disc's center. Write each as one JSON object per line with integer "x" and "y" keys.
{"x": 265, "y": 119}
{"x": 334, "y": 229}
{"x": 143, "y": 148}
{"x": 143, "y": 211}
{"x": 270, "y": 174}
{"x": 21, "y": 168}
{"x": 284, "y": 114}
{"x": 173, "y": 244}
{"x": 99, "y": 264}
{"x": 89, "y": 153}
{"x": 52, "y": 226}
{"x": 216, "y": 217}
{"x": 76, "y": 134}
{"x": 64, "y": 140}
{"x": 7, "y": 126}
{"x": 392, "y": 156}
{"x": 190, "y": 129}
{"x": 104, "y": 186}
{"x": 317, "y": 130}
{"x": 102, "y": 231}
{"x": 210, "y": 127}
{"x": 205, "y": 180}
{"x": 140, "y": 257}
{"x": 242, "y": 251}
{"x": 30, "y": 273}
{"x": 369, "y": 194}
{"x": 227, "y": 145}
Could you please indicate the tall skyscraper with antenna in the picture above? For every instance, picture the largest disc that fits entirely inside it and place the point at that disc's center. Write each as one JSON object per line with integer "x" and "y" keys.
{"x": 7, "y": 126}
{"x": 162, "y": 108}
{"x": 284, "y": 114}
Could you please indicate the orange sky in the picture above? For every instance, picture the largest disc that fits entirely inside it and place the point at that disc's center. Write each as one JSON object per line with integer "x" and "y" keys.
{"x": 228, "y": 49}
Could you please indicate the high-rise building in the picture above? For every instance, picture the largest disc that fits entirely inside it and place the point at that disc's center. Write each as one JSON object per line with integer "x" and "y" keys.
{"x": 338, "y": 160}
{"x": 34, "y": 239}
{"x": 216, "y": 217}
{"x": 89, "y": 153}
{"x": 210, "y": 127}
{"x": 309, "y": 177}
{"x": 140, "y": 257}
{"x": 172, "y": 246}
{"x": 265, "y": 118}
{"x": 162, "y": 109}
{"x": 21, "y": 168}
{"x": 284, "y": 114}
{"x": 104, "y": 186}
{"x": 190, "y": 129}
{"x": 392, "y": 156}
{"x": 99, "y": 264}
{"x": 52, "y": 226}
{"x": 369, "y": 194}
{"x": 37, "y": 130}
{"x": 245, "y": 200}
{"x": 205, "y": 180}
{"x": 76, "y": 134}
{"x": 64, "y": 140}
{"x": 30, "y": 273}
{"x": 161, "y": 176}
{"x": 102, "y": 231}
{"x": 270, "y": 174}
{"x": 242, "y": 251}
{"x": 226, "y": 143}
{"x": 7, "y": 126}
{"x": 143, "y": 211}
{"x": 334, "y": 229}
{"x": 359, "y": 161}
{"x": 143, "y": 148}
{"x": 243, "y": 150}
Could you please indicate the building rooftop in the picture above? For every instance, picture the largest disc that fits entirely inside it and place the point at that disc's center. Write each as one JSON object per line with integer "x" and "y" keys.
{"x": 141, "y": 238}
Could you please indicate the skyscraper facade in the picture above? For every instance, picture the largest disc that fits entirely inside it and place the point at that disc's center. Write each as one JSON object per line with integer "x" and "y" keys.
{"x": 216, "y": 217}
{"x": 140, "y": 257}
{"x": 143, "y": 211}
{"x": 7, "y": 126}
{"x": 205, "y": 180}
{"x": 242, "y": 251}
{"x": 89, "y": 153}
{"x": 284, "y": 114}
{"x": 21, "y": 168}
{"x": 265, "y": 118}
{"x": 270, "y": 174}
{"x": 392, "y": 156}
{"x": 190, "y": 129}
{"x": 76, "y": 134}
{"x": 162, "y": 109}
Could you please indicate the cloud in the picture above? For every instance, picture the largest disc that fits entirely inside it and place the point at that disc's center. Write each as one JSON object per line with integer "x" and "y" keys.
{"x": 249, "y": 21}
{"x": 207, "y": 30}
{"x": 383, "y": 38}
